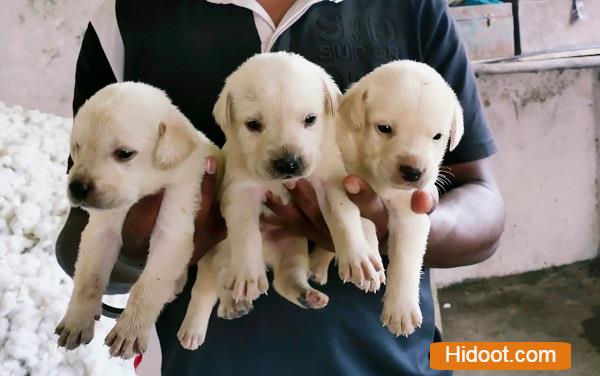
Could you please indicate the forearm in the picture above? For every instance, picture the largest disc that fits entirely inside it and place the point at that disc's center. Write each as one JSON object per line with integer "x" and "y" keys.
{"x": 466, "y": 226}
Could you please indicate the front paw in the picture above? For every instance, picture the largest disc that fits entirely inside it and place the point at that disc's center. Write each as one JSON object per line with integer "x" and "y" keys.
{"x": 401, "y": 318}
{"x": 363, "y": 269}
{"x": 247, "y": 283}
{"x": 127, "y": 337}
{"x": 77, "y": 326}
{"x": 191, "y": 335}
{"x": 230, "y": 310}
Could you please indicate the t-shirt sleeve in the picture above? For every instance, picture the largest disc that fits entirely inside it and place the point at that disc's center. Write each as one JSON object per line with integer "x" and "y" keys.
{"x": 442, "y": 48}
{"x": 93, "y": 72}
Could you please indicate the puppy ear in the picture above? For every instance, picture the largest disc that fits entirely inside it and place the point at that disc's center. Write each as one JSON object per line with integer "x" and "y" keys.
{"x": 176, "y": 141}
{"x": 222, "y": 111}
{"x": 457, "y": 127}
{"x": 332, "y": 95}
{"x": 352, "y": 108}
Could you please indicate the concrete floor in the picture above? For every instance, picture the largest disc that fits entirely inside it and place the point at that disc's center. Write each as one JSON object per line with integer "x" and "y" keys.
{"x": 557, "y": 304}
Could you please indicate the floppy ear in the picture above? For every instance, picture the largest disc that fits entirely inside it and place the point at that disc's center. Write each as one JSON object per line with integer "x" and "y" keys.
{"x": 332, "y": 95}
{"x": 457, "y": 127}
{"x": 222, "y": 111}
{"x": 176, "y": 141}
{"x": 352, "y": 108}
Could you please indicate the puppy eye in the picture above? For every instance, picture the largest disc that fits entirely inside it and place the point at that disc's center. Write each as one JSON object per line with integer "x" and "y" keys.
{"x": 124, "y": 155}
{"x": 384, "y": 128}
{"x": 437, "y": 136}
{"x": 253, "y": 125}
{"x": 310, "y": 120}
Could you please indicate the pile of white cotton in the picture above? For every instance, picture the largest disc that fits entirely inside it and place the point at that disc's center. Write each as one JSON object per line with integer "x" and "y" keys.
{"x": 34, "y": 291}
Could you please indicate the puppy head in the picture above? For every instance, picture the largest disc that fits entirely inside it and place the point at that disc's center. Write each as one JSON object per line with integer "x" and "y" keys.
{"x": 403, "y": 116}
{"x": 123, "y": 140}
{"x": 276, "y": 109}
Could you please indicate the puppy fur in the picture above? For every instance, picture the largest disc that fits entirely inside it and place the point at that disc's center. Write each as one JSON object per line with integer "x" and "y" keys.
{"x": 129, "y": 141}
{"x": 277, "y": 111}
{"x": 393, "y": 129}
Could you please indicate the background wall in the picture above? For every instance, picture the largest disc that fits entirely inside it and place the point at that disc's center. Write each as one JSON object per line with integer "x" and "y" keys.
{"x": 545, "y": 125}
{"x": 40, "y": 41}
{"x": 546, "y": 128}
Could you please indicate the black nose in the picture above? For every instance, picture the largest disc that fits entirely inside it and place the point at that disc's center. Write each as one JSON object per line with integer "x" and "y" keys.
{"x": 79, "y": 189}
{"x": 289, "y": 164}
{"x": 410, "y": 173}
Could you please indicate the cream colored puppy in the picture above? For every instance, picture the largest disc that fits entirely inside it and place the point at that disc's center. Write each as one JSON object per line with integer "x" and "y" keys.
{"x": 129, "y": 141}
{"x": 277, "y": 111}
{"x": 394, "y": 126}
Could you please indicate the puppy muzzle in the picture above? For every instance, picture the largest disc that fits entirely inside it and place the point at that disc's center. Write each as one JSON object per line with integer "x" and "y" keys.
{"x": 286, "y": 166}
{"x": 80, "y": 190}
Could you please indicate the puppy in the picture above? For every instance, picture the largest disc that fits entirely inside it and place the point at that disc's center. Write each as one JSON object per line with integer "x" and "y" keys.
{"x": 394, "y": 127}
{"x": 277, "y": 111}
{"x": 129, "y": 141}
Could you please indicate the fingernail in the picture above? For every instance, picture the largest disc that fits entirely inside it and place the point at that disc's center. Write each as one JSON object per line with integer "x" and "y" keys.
{"x": 352, "y": 188}
{"x": 211, "y": 166}
{"x": 290, "y": 184}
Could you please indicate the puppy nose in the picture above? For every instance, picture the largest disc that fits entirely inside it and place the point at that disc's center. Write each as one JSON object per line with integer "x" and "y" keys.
{"x": 289, "y": 164}
{"x": 410, "y": 173}
{"x": 79, "y": 189}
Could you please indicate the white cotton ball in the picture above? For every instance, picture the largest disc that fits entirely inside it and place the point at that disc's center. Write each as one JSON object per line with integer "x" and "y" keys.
{"x": 8, "y": 303}
{"x": 4, "y": 327}
{"x": 23, "y": 344}
{"x": 12, "y": 367}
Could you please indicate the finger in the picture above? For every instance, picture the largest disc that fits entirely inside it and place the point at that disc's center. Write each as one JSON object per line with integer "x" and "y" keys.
{"x": 209, "y": 182}
{"x": 295, "y": 220}
{"x": 361, "y": 193}
{"x": 422, "y": 202}
{"x": 208, "y": 190}
{"x": 305, "y": 197}
{"x": 271, "y": 220}
{"x": 287, "y": 213}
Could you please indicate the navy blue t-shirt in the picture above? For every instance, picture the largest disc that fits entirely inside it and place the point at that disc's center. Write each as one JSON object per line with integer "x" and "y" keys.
{"x": 187, "y": 48}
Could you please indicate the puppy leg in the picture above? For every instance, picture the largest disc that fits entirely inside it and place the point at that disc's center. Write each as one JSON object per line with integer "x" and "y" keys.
{"x": 291, "y": 269}
{"x": 171, "y": 247}
{"x": 247, "y": 278}
{"x": 357, "y": 258}
{"x": 228, "y": 308}
{"x": 319, "y": 264}
{"x": 98, "y": 250}
{"x": 407, "y": 242}
{"x": 204, "y": 296}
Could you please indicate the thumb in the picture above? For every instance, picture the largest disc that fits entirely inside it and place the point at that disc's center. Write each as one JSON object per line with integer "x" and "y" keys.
{"x": 209, "y": 182}
{"x": 424, "y": 202}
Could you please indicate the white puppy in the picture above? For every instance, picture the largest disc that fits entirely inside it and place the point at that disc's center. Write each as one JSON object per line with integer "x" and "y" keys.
{"x": 394, "y": 126}
{"x": 277, "y": 111}
{"x": 129, "y": 141}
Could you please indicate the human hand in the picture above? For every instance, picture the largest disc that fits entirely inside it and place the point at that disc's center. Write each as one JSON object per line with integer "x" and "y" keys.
{"x": 303, "y": 216}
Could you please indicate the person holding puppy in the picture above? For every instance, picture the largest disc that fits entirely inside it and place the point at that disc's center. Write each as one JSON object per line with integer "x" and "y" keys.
{"x": 188, "y": 48}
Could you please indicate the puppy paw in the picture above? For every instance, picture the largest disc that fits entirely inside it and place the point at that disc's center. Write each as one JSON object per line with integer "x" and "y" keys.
{"x": 319, "y": 265}
{"x": 401, "y": 319}
{"x": 77, "y": 326}
{"x": 230, "y": 310}
{"x": 313, "y": 299}
{"x": 247, "y": 283}
{"x": 190, "y": 335}
{"x": 127, "y": 338}
{"x": 373, "y": 285}
{"x": 364, "y": 270}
